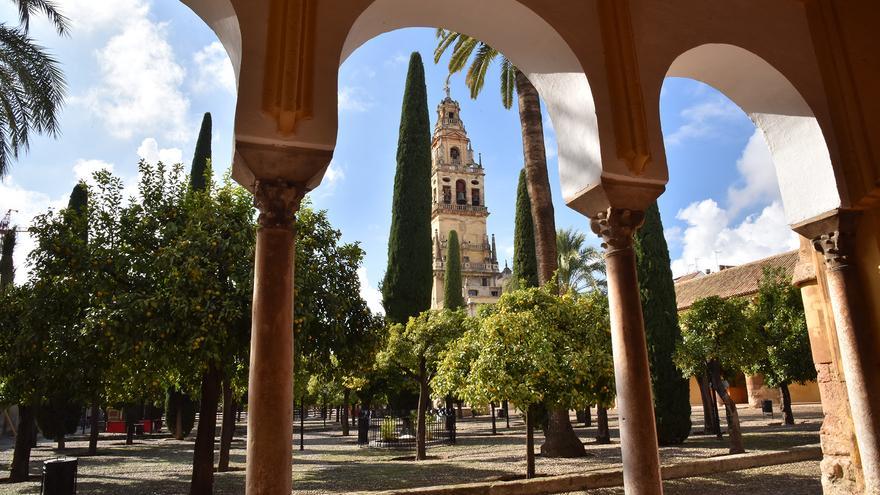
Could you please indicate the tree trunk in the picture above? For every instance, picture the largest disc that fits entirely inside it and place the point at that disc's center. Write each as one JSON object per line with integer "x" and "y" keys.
{"x": 506, "y": 406}
{"x": 227, "y": 428}
{"x": 420, "y": 426}
{"x": 458, "y": 407}
{"x": 530, "y": 443}
{"x": 560, "y": 439}
{"x": 787, "y": 415}
{"x": 736, "y": 445}
{"x": 345, "y": 398}
{"x": 93, "y": 430}
{"x": 603, "y": 432}
{"x": 535, "y": 159}
{"x": 129, "y": 432}
{"x": 203, "y": 452}
{"x": 494, "y": 431}
{"x": 21, "y": 457}
{"x": 178, "y": 418}
{"x": 60, "y": 428}
{"x": 302, "y": 422}
{"x": 588, "y": 417}
{"x": 711, "y": 424}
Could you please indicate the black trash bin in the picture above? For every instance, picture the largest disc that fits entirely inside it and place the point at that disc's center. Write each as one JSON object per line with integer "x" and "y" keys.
{"x": 767, "y": 408}
{"x": 59, "y": 476}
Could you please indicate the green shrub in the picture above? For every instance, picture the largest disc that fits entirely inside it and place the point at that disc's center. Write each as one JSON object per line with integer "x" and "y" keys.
{"x": 387, "y": 430}
{"x": 47, "y": 419}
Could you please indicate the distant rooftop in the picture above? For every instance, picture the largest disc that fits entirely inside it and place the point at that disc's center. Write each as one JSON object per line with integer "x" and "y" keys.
{"x": 737, "y": 281}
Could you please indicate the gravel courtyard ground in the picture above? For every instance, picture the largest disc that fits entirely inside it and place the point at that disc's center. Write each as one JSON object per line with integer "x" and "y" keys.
{"x": 333, "y": 464}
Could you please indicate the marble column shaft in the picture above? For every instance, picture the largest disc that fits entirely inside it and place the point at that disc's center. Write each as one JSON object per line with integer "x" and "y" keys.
{"x": 270, "y": 383}
{"x": 635, "y": 408}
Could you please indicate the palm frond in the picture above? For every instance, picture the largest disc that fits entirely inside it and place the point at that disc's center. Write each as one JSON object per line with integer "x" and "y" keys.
{"x": 32, "y": 91}
{"x": 446, "y": 39}
{"x": 508, "y": 76}
{"x": 462, "y": 51}
{"x": 476, "y": 75}
{"x": 26, "y": 8}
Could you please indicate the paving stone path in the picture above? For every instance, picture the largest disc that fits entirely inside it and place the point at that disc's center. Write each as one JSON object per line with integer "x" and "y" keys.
{"x": 332, "y": 464}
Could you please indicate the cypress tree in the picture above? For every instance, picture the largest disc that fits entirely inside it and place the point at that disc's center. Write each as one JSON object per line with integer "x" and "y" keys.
{"x": 452, "y": 297}
{"x": 201, "y": 155}
{"x": 525, "y": 262}
{"x": 406, "y": 288}
{"x": 79, "y": 198}
{"x": 7, "y": 268}
{"x": 203, "y": 451}
{"x": 672, "y": 407}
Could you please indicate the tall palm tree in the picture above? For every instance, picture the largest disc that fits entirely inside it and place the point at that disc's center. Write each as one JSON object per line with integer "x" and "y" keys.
{"x": 478, "y": 57}
{"x": 560, "y": 439}
{"x": 32, "y": 85}
{"x": 581, "y": 267}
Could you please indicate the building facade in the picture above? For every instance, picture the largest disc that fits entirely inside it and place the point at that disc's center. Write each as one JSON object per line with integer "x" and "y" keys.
{"x": 459, "y": 204}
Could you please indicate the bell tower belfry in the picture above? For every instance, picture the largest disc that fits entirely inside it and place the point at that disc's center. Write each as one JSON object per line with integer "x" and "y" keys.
{"x": 459, "y": 203}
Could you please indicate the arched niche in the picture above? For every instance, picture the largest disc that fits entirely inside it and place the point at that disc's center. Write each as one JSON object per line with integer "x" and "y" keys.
{"x": 800, "y": 153}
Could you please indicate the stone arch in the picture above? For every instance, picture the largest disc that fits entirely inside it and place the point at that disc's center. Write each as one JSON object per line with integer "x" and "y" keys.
{"x": 526, "y": 39}
{"x": 800, "y": 152}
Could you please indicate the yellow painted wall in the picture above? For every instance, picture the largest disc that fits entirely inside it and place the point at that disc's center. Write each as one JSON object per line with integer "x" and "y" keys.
{"x": 807, "y": 393}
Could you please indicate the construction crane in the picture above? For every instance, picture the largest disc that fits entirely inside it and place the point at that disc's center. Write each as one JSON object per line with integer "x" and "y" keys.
{"x": 6, "y": 221}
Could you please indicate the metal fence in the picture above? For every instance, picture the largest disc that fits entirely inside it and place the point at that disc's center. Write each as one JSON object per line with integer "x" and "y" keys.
{"x": 398, "y": 430}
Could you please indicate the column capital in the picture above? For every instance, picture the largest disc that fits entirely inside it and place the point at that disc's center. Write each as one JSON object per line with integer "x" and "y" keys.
{"x": 837, "y": 247}
{"x": 834, "y": 237}
{"x": 278, "y": 201}
{"x": 616, "y": 227}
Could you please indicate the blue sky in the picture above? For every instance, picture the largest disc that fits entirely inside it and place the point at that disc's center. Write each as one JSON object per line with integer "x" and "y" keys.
{"x": 141, "y": 74}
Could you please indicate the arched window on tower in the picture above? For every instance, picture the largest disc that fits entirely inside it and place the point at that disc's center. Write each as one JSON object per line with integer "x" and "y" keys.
{"x": 460, "y": 193}
{"x": 455, "y": 155}
{"x": 475, "y": 197}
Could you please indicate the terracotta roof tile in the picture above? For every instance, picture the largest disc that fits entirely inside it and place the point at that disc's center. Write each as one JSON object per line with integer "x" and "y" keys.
{"x": 738, "y": 281}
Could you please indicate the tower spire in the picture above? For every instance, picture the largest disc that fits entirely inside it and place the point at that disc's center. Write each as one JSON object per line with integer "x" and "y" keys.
{"x": 494, "y": 250}
{"x": 446, "y": 86}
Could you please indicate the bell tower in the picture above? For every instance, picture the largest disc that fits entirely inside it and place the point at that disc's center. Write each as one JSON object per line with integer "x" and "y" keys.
{"x": 459, "y": 203}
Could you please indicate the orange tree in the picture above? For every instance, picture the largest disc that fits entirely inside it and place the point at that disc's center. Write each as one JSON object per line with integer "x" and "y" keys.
{"x": 414, "y": 351}
{"x": 534, "y": 347}
{"x": 778, "y": 315}
{"x": 718, "y": 340}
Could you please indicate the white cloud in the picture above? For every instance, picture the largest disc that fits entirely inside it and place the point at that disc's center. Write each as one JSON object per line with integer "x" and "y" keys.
{"x": 701, "y": 120}
{"x": 397, "y": 59}
{"x": 756, "y": 167}
{"x": 90, "y": 15}
{"x": 369, "y": 293}
{"x": 140, "y": 87}
{"x": 709, "y": 236}
{"x": 214, "y": 69}
{"x": 26, "y": 204}
{"x": 354, "y": 99}
{"x": 149, "y": 150}
{"x": 83, "y": 169}
{"x": 334, "y": 174}
{"x": 332, "y": 177}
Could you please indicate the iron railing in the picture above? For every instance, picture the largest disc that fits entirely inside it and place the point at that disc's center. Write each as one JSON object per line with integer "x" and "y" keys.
{"x": 381, "y": 429}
